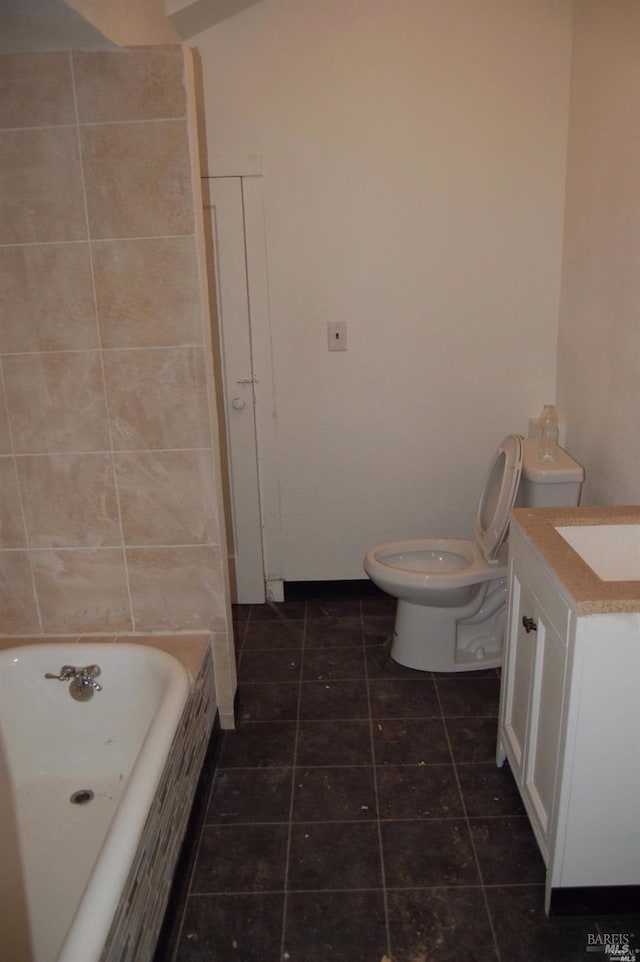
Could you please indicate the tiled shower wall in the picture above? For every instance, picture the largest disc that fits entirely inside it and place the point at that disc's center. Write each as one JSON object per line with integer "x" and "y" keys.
{"x": 109, "y": 504}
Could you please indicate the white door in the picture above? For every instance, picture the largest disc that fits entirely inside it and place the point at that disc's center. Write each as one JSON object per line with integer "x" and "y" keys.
{"x": 228, "y": 234}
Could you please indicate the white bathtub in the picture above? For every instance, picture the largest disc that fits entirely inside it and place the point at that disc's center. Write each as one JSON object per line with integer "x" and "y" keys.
{"x": 73, "y": 859}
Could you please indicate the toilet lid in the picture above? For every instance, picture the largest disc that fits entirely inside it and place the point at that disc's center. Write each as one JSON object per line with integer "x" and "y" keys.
{"x": 498, "y": 495}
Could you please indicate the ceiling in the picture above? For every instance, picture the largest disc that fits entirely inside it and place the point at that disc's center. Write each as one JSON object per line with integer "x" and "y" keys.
{"x": 35, "y": 25}
{"x": 32, "y": 25}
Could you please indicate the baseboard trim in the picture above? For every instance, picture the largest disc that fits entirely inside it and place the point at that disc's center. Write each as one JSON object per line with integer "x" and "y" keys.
{"x": 596, "y": 900}
{"x": 356, "y": 589}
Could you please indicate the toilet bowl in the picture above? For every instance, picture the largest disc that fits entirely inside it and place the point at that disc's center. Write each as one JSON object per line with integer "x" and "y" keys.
{"x": 451, "y": 592}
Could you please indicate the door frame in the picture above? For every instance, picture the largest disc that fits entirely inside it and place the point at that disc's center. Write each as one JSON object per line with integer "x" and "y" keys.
{"x": 248, "y": 168}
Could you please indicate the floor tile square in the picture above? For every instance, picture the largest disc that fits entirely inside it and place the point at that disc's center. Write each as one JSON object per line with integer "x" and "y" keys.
{"x": 333, "y": 664}
{"x": 245, "y": 928}
{"x": 333, "y": 699}
{"x": 469, "y": 695}
{"x": 380, "y": 664}
{"x": 450, "y": 925}
{"x": 334, "y": 855}
{"x": 258, "y": 745}
{"x": 268, "y": 702}
{"x": 473, "y": 739}
{"x": 378, "y": 631}
{"x": 428, "y": 853}
{"x": 274, "y": 634}
{"x": 280, "y": 664}
{"x": 335, "y": 927}
{"x": 410, "y": 741}
{"x": 524, "y": 932}
{"x": 403, "y": 698}
{"x": 334, "y": 743}
{"x": 333, "y": 632}
{"x": 418, "y": 791}
{"x": 507, "y": 851}
{"x": 250, "y": 796}
{"x": 241, "y": 858}
{"x": 278, "y": 611}
{"x": 330, "y": 609}
{"x": 333, "y": 794}
{"x": 240, "y": 613}
{"x": 383, "y": 606}
{"x": 488, "y": 790}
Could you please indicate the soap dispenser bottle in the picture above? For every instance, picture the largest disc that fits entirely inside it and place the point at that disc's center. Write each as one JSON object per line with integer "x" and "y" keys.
{"x": 548, "y": 434}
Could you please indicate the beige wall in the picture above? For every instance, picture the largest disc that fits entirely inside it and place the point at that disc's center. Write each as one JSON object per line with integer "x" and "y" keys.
{"x": 413, "y": 158}
{"x": 599, "y": 342}
{"x": 109, "y": 516}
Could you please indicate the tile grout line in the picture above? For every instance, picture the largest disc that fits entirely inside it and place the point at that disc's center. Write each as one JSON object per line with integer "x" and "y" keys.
{"x": 98, "y": 328}
{"x": 375, "y": 793}
{"x": 285, "y": 898}
{"x": 468, "y": 824}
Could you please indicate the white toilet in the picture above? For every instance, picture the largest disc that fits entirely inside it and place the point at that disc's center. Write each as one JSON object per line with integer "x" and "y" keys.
{"x": 451, "y": 592}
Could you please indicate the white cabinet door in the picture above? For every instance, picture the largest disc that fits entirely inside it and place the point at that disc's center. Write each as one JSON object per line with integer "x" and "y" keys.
{"x": 545, "y": 722}
{"x": 519, "y": 665}
{"x": 533, "y": 690}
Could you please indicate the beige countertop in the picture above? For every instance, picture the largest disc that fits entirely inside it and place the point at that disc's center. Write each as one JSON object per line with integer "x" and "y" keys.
{"x": 589, "y": 593}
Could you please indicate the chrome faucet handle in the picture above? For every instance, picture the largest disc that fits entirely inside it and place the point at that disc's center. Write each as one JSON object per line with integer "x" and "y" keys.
{"x": 81, "y": 677}
{"x": 67, "y": 672}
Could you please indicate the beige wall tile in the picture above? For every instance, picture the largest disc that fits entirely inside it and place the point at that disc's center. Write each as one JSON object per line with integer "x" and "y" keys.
{"x": 176, "y": 588}
{"x": 129, "y": 85}
{"x": 148, "y": 292}
{"x": 40, "y": 186}
{"x": 48, "y": 302}
{"x": 167, "y": 497}
{"x": 188, "y": 649}
{"x": 18, "y": 609}
{"x": 56, "y": 402}
{"x": 82, "y": 590}
{"x": 12, "y": 534}
{"x": 157, "y": 398}
{"x": 138, "y": 179}
{"x": 5, "y": 435}
{"x": 36, "y": 90}
{"x": 69, "y": 500}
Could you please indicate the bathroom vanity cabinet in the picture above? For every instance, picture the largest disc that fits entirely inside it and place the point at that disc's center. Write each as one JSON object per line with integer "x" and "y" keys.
{"x": 570, "y": 720}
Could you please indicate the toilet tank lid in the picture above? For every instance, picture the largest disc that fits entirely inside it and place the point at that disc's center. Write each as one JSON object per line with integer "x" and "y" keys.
{"x": 565, "y": 469}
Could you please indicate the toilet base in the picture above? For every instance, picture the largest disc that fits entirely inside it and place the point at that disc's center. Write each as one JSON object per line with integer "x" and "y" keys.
{"x": 437, "y": 639}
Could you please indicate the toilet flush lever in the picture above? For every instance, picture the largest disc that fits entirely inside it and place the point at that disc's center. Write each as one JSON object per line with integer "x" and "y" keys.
{"x": 529, "y": 624}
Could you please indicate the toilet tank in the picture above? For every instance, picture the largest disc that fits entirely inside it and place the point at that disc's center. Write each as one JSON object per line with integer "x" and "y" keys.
{"x": 550, "y": 483}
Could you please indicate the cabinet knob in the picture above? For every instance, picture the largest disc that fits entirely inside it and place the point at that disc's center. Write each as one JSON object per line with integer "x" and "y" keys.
{"x": 529, "y": 624}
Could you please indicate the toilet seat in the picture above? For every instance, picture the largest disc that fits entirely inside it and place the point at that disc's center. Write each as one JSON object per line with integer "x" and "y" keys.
{"x": 498, "y": 495}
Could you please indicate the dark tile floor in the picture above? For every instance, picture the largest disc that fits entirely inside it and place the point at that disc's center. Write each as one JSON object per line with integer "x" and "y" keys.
{"x": 357, "y": 814}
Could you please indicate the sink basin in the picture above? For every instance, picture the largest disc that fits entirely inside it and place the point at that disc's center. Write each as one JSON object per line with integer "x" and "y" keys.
{"x": 612, "y": 551}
